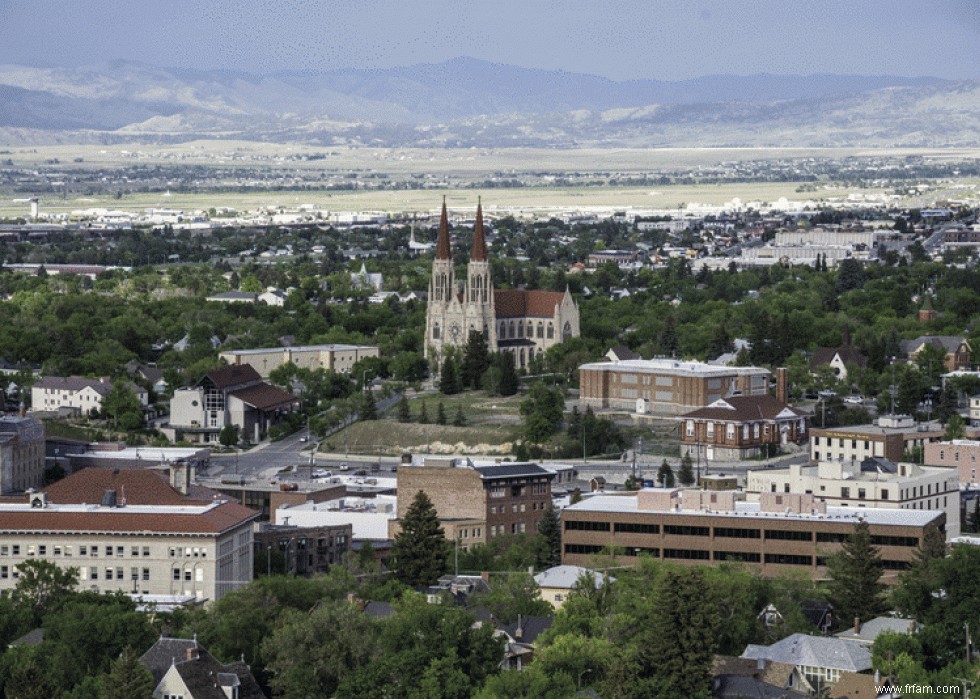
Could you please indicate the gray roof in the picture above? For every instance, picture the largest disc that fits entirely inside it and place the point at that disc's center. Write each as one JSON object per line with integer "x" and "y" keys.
{"x": 204, "y": 675}
{"x": 950, "y": 343}
{"x": 510, "y": 470}
{"x": 741, "y": 687}
{"x": 378, "y": 610}
{"x": 164, "y": 653}
{"x": 31, "y": 638}
{"x": 870, "y": 630}
{"x": 73, "y": 383}
{"x": 814, "y": 651}
{"x": 566, "y": 577}
{"x": 527, "y": 628}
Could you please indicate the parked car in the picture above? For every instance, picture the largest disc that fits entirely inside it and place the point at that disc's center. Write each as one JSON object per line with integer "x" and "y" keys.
{"x": 320, "y": 473}
{"x": 854, "y": 400}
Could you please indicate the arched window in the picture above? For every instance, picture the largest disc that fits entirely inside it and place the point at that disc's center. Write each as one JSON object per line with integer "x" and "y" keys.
{"x": 551, "y": 331}
{"x": 540, "y": 329}
{"x": 566, "y": 332}
{"x": 522, "y": 358}
{"x": 503, "y": 331}
{"x": 520, "y": 329}
{"x": 530, "y": 329}
{"x": 435, "y": 331}
{"x": 513, "y": 330}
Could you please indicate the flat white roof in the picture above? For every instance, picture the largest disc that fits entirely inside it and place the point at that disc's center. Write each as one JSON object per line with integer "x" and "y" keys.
{"x": 304, "y": 348}
{"x": 124, "y": 510}
{"x": 151, "y": 455}
{"x": 627, "y": 504}
{"x": 673, "y": 366}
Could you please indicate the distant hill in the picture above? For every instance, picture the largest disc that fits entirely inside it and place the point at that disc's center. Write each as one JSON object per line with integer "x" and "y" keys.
{"x": 470, "y": 102}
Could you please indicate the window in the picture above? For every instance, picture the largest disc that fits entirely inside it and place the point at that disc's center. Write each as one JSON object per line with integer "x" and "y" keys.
{"x": 134, "y": 550}
{"x": 736, "y": 533}
{"x": 582, "y": 548}
{"x": 711, "y": 429}
{"x": 15, "y": 549}
{"x": 108, "y": 573}
{"x": 788, "y": 535}
{"x": 687, "y": 554}
{"x": 146, "y": 550}
{"x": 743, "y": 556}
{"x": 831, "y": 537}
{"x": 42, "y": 550}
{"x": 176, "y": 573}
{"x": 146, "y": 574}
{"x": 845, "y": 492}
{"x": 730, "y": 432}
{"x": 690, "y": 428}
{"x": 120, "y": 551}
{"x": 861, "y": 493}
{"x": 755, "y": 430}
{"x": 56, "y": 550}
{"x": 686, "y": 530}
{"x": 577, "y": 525}
{"x": 884, "y": 494}
{"x": 636, "y": 528}
{"x": 789, "y": 559}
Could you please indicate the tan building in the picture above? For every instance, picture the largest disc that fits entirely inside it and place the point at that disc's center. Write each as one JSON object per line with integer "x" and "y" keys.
{"x": 21, "y": 454}
{"x": 129, "y": 531}
{"x": 961, "y": 454}
{"x": 76, "y": 393}
{"x": 338, "y": 358}
{"x": 873, "y": 482}
{"x": 890, "y": 437}
{"x": 741, "y": 427}
{"x": 665, "y": 386}
{"x": 779, "y": 534}
{"x": 956, "y": 348}
{"x": 523, "y": 322}
{"x": 477, "y": 503}
{"x": 558, "y": 582}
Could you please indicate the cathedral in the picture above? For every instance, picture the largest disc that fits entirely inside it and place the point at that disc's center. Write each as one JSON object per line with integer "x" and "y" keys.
{"x": 524, "y": 323}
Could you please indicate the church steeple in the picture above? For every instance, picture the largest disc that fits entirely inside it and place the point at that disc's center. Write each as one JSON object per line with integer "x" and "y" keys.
{"x": 479, "y": 250}
{"x": 442, "y": 242}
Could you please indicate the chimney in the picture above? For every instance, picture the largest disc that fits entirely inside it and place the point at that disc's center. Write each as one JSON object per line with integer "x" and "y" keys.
{"x": 760, "y": 665}
{"x": 192, "y": 653}
{"x": 485, "y": 575}
{"x": 519, "y": 631}
{"x": 782, "y": 385}
{"x": 878, "y": 677}
{"x": 857, "y": 624}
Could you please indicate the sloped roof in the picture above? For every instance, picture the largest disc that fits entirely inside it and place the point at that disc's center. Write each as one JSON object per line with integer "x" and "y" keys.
{"x": 848, "y": 355}
{"x": 162, "y": 654}
{"x": 530, "y": 628}
{"x": 950, "y": 343}
{"x": 31, "y": 638}
{"x": 201, "y": 520}
{"x": 141, "y": 487}
{"x": 478, "y": 252}
{"x": 870, "y": 630}
{"x": 518, "y": 303}
{"x": 814, "y": 651}
{"x": 622, "y": 352}
{"x": 743, "y": 408}
{"x": 852, "y": 685}
{"x": 264, "y": 396}
{"x": 233, "y": 375}
{"x": 205, "y": 677}
{"x": 73, "y": 383}
{"x": 442, "y": 241}
{"x": 743, "y": 687}
{"x": 566, "y": 577}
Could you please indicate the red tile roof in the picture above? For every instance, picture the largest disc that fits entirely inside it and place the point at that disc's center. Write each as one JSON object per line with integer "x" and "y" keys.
{"x": 517, "y": 303}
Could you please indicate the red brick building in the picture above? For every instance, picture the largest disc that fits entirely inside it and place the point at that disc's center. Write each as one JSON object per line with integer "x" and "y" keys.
{"x": 741, "y": 427}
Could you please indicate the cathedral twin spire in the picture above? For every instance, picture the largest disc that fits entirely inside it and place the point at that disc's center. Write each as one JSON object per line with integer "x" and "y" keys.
{"x": 478, "y": 252}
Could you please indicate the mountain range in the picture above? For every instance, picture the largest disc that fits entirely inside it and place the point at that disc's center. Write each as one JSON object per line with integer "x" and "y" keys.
{"x": 468, "y": 102}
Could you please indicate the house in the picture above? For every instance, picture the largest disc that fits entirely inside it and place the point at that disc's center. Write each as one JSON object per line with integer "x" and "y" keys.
{"x": 818, "y": 659}
{"x": 957, "y": 349}
{"x": 149, "y": 374}
{"x": 230, "y": 395}
{"x": 890, "y": 436}
{"x": 182, "y": 668}
{"x": 853, "y": 685}
{"x": 837, "y": 358}
{"x": 76, "y": 394}
{"x": 621, "y": 353}
{"x": 520, "y": 639}
{"x": 367, "y": 280}
{"x": 234, "y": 297}
{"x": 557, "y": 582}
{"x": 739, "y": 678}
{"x": 272, "y": 297}
{"x": 129, "y": 531}
{"x": 742, "y": 427}
{"x": 870, "y": 630}
{"x": 304, "y": 550}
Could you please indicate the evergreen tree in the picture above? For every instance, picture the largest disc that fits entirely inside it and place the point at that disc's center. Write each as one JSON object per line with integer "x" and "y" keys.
{"x": 449, "y": 382}
{"x": 575, "y": 497}
{"x": 420, "y": 550}
{"x": 440, "y": 414}
{"x": 665, "y": 475}
{"x": 459, "y": 419}
{"x": 509, "y": 382}
{"x": 686, "y": 473}
{"x": 423, "y": 414}
{"x": 721, "y": 341}
{"x": 549, "y": 527}
{"x": 955, "y": 428}
{"x": 855, "y": 574}
{"x": 668, "y": 341}
{"x": 127, "y": 678}
{"x": 677, "y": 650}
{"x": 476, "y": 360}
{"x": 404, "y": 412}
{"x": 369, "y": 408}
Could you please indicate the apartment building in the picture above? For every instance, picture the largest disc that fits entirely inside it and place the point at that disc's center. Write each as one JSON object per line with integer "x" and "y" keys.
{"x": 476, "y": 503}
{"x": 303, "y": 550}
{"x": 665, "y": 386}
{"x": 338, "y": 358}
{"x": 21, "y": 454}
{"x": 129, "y": 531}
{"x": 873, "y": 482}
{"x": 960, "y": 454}
{"x": 76, "y": 394}
{"x": 778, "y": 534}
{"x": 889, "y": 437}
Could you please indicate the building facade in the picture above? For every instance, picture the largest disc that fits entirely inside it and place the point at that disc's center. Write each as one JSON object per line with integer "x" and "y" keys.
{"x": 338, "y": 358}
{"x": 873, "y": 482}
{"x": 956, "y": 348}
{"x": 741, "y": 427}
{"x": 522, "y": 322}
{"x": 21, "y": 454}
{"x": 141, "y": 536}
{"x": 890, "y": 437}
{"x": 477, "y": 503}
{"x": 76, "y": 393}
{"x": 303, "y": 550}
{"x": 778, "y": 534}
{"x": 665, "y": 386}
{"x": 961, "y": 454}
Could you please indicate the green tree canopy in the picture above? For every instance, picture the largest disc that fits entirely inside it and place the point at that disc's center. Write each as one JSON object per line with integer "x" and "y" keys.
{"x": 855, "y": 574}
{"x": 420, "y": 550}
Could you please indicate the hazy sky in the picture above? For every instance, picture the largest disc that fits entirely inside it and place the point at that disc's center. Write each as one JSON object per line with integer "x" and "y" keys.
{"x": 661, "y": 39}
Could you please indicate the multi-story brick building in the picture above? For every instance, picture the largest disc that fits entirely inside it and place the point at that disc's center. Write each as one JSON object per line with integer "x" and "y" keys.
{"x": 303, "y": 550}
{"x": 961, "y": 454}
{"x": 665, "y": 386}
{"x": 21, "y": 454}
{"x": 477, "y": 503}
{"x": 338, "y": 358}
{"x": 779, "y": 534}
{"x": 741, "y": 427}
{"x": 873, "y": 482}
{"x": 129, "y": 531}
{"x": 889, "y": 438}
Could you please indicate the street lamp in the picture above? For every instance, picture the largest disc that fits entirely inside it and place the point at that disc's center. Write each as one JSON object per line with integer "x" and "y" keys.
{"x": 268, "y": 560}
{"x": 582, "y": 674}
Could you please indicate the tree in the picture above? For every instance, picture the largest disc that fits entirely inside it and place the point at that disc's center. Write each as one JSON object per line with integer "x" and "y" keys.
{"x": 459, "y": 419}
{"x": 955, "y": 428}
{"x": 476, "y": 360}
{"x": 123, "y": 407}
{"x": 420, "y": 551}
{"x": 440, "y": 414}
{"x": 228, "y": 436}
{"x": 549, "y": 528}
{"x": 665, "y": 475}
{"x": 404, "y": 412}
{"x": 449, "y": 380}
{"x": 686, "y": 473}
{"x": 513, "y": 595}
{"x": 855, "y": 573}
{"x": 42, "y": 584}
{"x": 423, "y": 414}
{"x": 850, "y": 275}
{"x": 369, "y": 408}
{"x": 501, "y": 379}
{"x": 542, "y": 411}
{"x": 127, "y": 678}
